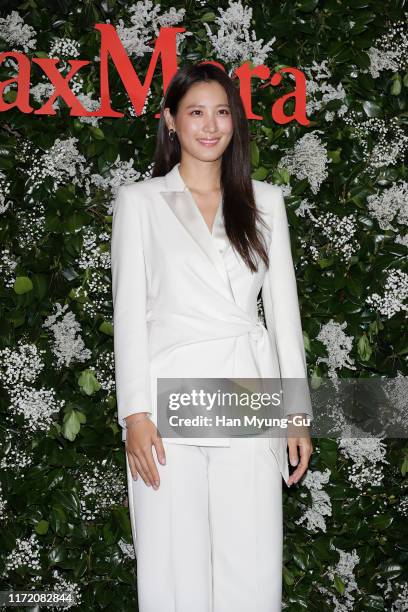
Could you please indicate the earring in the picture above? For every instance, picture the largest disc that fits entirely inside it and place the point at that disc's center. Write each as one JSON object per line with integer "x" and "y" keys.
{"x": 172, "y": 134}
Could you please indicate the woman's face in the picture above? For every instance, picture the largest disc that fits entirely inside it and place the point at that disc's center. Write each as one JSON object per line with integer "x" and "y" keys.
{"x": 203, "y": 122}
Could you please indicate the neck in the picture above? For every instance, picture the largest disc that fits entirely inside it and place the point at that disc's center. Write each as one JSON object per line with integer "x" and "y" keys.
{"x": 201, "y": 176}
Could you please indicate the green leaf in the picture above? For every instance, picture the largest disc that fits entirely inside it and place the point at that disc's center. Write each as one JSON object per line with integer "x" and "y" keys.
{"x": 396, "y": 86}
{"x": 288, "y": 577}
{"x": 339, "y": 584}
{"x": 97, "y": 132}
{"x": 210, "y": 16}
{"x": 254, "y": 153}
{"x": 88, "y": 382}
{"x": 71, "y": 425}
{"x": 106, "y": 328}
{"x": 372, "y": 109}
{"x": 364, "y": 348}
{"x": 42, "y": 527}
{"x": 22, "y": 285}
{"x": 260, "y": 174}
{"x": 382, "y": 521}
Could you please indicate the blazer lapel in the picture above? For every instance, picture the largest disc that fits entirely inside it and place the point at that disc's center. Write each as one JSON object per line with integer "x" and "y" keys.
{"x": 182, "y": 203}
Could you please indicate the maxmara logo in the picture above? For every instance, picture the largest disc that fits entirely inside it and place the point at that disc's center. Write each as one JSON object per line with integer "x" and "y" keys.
{"x": 165, "y": 48}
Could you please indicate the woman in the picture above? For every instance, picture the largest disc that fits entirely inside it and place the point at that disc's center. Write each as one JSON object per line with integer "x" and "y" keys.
{"x": 192, "y": 248}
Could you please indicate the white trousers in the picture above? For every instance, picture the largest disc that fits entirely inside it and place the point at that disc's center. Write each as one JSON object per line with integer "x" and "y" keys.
{"x": 210, "y": 538}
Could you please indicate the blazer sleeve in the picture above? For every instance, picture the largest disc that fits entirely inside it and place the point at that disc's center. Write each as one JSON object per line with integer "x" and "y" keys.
{"x": 129, "y": 293}
{"x": 282, "y": 314}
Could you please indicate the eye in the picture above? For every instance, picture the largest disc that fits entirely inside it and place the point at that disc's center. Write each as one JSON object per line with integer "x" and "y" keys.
{"x": 224, "y": 110}
{"x": 195, "y": 111}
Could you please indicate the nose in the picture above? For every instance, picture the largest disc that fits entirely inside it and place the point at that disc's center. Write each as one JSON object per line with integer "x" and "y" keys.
{"x": 257, "y": 330}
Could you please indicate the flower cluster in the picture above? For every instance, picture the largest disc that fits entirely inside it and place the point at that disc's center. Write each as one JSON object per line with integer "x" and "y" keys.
{"x": 64, "y": 47}
{"x": 19, "y": 368}
{"x": 21, "y": 365}
{"x": 127, "y": 549}
{"x": 3, "y": 504}
{"x": 395, "y": 294}
{"x": 104, "y": 369}
{"x": 31, "y": 226}
{"x": 120, "y": 173}
{"x": 390, "y": 142}
{"x": 321, "y": 504}
{"x": 338, "y": 346}
{"x": 146, "y": 21}
{"x": 92, "y": 255}
{"x": 389, "y": 207}
{"x": 8, "y": 264}
{"x": 25, "y": 554}
{"x": 320, "y": 92}
{"x": 100, "y": 488}
{"x": 339, "y": 231}
{"x": 367, "y": 455}
{"x": 343, "y": 570}
{"x": 308, "y": 160}
{"x": 389, "y": 51}
{"x": 4, "y": 192}
{"x": 15, "y": 32}
{"x": 68, "y": 345}
{"x": 234, "y": 42}
{"x": 69, "y": 588}
{"x": 62, "y": 163}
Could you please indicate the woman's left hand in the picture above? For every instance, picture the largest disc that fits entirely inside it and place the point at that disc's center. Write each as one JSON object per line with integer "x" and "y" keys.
{"x": 299, "y": 438}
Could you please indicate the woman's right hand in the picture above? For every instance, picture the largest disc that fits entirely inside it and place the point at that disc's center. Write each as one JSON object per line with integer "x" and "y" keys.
{"x": 141, "y": 435}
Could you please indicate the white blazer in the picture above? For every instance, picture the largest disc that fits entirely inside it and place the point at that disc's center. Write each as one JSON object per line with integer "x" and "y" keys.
{"x": 185, "y": 304}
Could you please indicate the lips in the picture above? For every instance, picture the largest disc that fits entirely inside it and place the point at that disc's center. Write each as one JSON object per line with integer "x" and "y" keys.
{"x": 208, "y": 142}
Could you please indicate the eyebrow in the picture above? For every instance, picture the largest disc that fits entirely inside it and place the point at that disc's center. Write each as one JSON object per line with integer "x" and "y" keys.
{"x": 202, "y": 105}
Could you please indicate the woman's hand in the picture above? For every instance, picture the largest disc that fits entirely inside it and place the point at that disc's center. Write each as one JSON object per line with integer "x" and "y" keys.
{"x": 141, "y": 434}
{"x": 298, "y": 436}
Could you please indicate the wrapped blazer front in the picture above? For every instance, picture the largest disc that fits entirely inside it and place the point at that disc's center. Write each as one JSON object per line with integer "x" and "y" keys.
{"x": 185, "y": 303}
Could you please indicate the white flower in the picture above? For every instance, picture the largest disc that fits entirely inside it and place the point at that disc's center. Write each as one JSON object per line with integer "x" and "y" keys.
{"x": 127, "y": 549}
{"x": 3, "y": 504}
{"x": 321, "y": 504}
{"x": 120, "y": 173}
{"x": 64, "y": 48}
{"x": 390, "y": 51}
{"x": 25, "y": 554}
{"x": 101, "y": 487}
{"x": 338, "y": 346}
{"x": 389, "y": 138}
{"x": 319, "y": 91}
{"x": 344, "y": 569}
{"x": 8, "y": 264}
{"x": 389, "y": 205}
{"x": 37, "y": 406}
{"x": 395, "y": 294}
{"x": 62, "y": 163}
{"x": 308, "y": 160}
{"x": 68, "y": 345}
{"x": 366, "y": 454}
{"x": 304, "y": 207}
{"x": 233, "y": 41}
{"x": 339, "y": 231}
{"x": 15, "y": 32}
{"x": 146, "y": 21}
{"x": 22, "y": 364}
{"x": 4, "y": 192}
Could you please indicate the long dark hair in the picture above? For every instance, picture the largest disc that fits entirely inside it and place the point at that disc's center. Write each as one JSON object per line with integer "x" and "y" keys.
{"x": 239, "y": 206}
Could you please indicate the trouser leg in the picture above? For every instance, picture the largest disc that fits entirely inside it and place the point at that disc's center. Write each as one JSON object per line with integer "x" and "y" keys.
{"x": 172, "y": 534}
{"x": 245, "y": 499}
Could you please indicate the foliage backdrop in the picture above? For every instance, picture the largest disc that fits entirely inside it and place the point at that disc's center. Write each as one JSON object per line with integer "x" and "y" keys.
{"x": 64, "y": 519}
